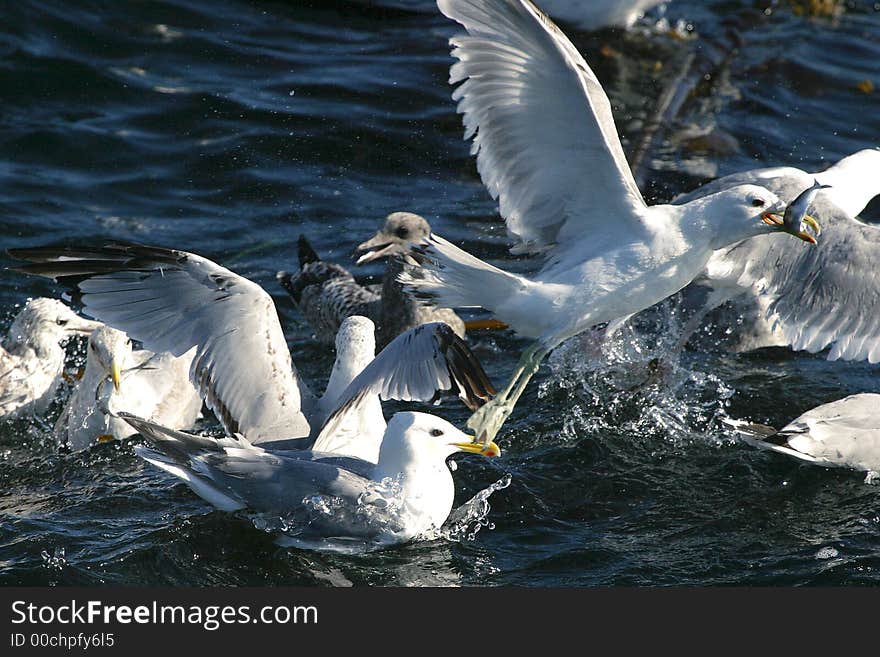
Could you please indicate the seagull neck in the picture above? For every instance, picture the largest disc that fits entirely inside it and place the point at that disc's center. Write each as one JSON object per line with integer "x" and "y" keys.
{"x": 347, "y": 366}
{"x": 425, "y": 487}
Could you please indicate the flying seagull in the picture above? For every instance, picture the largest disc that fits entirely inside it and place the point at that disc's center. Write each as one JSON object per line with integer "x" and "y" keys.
{"x": 548, "y": 150}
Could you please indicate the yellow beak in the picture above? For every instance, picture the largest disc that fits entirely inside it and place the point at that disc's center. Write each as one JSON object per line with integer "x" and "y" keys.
{"x": 775, "y": 219}
{"x": 489, "y": 449}
{"x": 115, "y": 375}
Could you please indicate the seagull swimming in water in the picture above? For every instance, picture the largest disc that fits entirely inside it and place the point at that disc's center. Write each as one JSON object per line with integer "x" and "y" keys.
{"x": 175, "y": 301}
{"x": 843, "y": 433}
{"x": 32, "y": 358}
{"x": 547, "y": 149}
{"x": 405, "y": 494}
{"x": 383, "y": 483}
{"x": 326, "y": 293}
{"x": 809, "y": 299}
{"x": 118, "y": 378}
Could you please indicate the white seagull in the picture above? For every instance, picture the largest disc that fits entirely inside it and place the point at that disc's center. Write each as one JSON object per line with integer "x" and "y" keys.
{"x": 118, "y": 378}
{"x": 596, "y": 14}
{"x": 843, "y": 433}
{"x": 407, "y": 493}
{"x": 32, "y": 358}
{"x": 176, "y": 301}
{"x": 806, "y": 298}
{"x": 548, "y": 150}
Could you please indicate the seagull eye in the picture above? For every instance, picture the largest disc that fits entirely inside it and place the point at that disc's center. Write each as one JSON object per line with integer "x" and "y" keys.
{"x": 61, "y": 322}
{"x": 758, "y": 203}
{"x": 436, "y": 432}
{"x": 401, "y": 232}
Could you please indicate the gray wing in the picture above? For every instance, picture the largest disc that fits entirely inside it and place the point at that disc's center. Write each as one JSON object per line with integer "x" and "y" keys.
{"x": 173, "y": 301}
{"x": 843, "y": 433}
{"x": 415, "y": 366}
{"x": 817, "y": 297}
{"x": 233, "y": 474}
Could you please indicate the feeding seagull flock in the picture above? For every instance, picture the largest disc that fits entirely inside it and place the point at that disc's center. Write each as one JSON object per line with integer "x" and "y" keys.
{"x": 177, "y": 341}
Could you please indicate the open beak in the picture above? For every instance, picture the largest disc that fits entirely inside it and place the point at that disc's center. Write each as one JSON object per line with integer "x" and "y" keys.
{"x": 376, "y": 247}
{"x": 775, "y": 219}
{"x": 489, "y": 449}
{"x": 115, "y": 375}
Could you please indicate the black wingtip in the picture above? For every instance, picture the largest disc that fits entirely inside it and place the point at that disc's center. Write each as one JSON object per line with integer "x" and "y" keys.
{"x": 465, "y": 369}
{"x": 305, "y": 252}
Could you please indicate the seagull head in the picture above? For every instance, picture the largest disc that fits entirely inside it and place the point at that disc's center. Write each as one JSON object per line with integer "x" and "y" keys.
{"x": 745, "y": 211}
{"x": 109, "y": 350}
{"x": 416, "y": 437}
{"x": 400, "y": 231}
{"x": 47, "y": 319}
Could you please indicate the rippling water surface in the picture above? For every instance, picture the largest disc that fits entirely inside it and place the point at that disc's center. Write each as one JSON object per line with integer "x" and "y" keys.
{"x": 229, "y": 128}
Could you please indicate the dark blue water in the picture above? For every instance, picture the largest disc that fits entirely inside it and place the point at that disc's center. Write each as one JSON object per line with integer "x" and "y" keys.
{"x": 229, "y": 128}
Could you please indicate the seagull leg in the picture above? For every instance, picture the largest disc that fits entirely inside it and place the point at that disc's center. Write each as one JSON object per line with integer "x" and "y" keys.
{"x": 487, "y": 421}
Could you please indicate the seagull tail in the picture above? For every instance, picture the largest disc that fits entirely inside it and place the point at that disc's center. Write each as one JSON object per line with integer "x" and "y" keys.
{"x": 180, "y": 454}
{"x": 305, "y": 252}
{"x": 763, "y": 436}
{"x": 453, "y": 278}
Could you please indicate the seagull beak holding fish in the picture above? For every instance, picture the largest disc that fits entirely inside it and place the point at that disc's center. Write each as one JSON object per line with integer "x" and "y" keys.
{"x": 775, "y": 219}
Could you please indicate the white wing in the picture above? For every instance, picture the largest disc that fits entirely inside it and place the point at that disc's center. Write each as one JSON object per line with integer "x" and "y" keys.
{"x": 173, "y": 301}
{"x": 415, "y": 366}
{"x": 543, "y": 131}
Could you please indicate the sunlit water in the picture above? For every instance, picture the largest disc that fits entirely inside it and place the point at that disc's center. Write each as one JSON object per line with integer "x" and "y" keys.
{"x": 229, "y": 128}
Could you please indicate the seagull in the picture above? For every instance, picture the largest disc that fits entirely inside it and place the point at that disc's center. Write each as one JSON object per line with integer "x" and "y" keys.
{"x": 597, "y": 14}
{"x": 548, "y": 150}
{"x": 406, "y": 494}
{"x": 808, "y": 299}
{"x": 176, "y": 301}
{"x": 585, "y": 14}
{"x": 154, "y": 386}
{"x": 326, "y": 293}
{"x": 32, "y": 358}
{"x": 843, "y": 433}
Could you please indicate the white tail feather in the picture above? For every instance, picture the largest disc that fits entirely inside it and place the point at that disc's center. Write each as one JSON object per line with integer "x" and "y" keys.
{"x": 456, "y": 279}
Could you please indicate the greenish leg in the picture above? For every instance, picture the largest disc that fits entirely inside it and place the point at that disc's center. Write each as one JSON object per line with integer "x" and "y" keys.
{"x": 488, "y": 420}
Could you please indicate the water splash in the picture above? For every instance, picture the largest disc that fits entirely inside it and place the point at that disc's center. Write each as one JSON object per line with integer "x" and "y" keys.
{"x": 637, "y": 381}
{"x": 468, "y": 519}
{"x": 55, "y": 561}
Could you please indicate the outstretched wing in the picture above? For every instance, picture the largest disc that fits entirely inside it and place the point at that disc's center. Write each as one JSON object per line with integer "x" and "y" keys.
{"x": 544, "y": 136}
{"x": 173, "y": 301}
{"x": 819, "y": 297}
{"x": 416, "y": 366}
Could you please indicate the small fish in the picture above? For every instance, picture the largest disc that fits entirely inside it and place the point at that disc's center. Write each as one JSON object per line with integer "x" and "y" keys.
{"x": 796, "y": 212}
